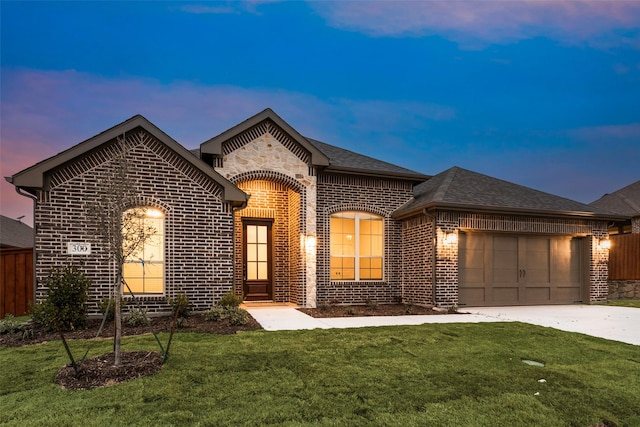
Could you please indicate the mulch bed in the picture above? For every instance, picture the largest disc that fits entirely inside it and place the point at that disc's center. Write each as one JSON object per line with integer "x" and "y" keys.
{"x": 100, "y": 371}
{"x": 31, "y": 334}
{"x": 334, "y": 310}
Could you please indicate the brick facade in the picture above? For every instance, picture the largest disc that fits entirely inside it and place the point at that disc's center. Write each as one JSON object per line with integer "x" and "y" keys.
{"x": 378, "y": 196}
{"x": 198, "y": 225}
{"x": 446, "y": 252}
{"x": 203, "y": 233}
{"x": 417, "y": 261}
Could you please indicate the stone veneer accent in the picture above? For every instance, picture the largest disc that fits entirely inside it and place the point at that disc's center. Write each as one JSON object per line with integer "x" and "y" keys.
{"x": 198, "y": 224}
{"x": 265, "y": 153}
{"x": 635, "y": 225}
{"x": 378, "y": 196}
{"x": 624, "y": 289}
{"x": 446, "y": 287}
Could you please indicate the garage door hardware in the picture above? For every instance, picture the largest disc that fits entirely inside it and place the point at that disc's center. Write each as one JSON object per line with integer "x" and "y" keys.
{"x": 523, "y": 272}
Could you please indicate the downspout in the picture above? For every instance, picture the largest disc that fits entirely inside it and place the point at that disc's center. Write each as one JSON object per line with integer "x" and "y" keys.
{"x": 21, "y": 192}
{"x": 433, "y": 260}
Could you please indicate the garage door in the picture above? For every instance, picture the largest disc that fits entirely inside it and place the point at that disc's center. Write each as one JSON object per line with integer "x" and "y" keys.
{"x": 504, "y": 269}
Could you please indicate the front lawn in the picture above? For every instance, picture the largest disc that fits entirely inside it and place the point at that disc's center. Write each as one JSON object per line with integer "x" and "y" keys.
{"x": 625, "y": 303}
{"x": 431, "y": 375}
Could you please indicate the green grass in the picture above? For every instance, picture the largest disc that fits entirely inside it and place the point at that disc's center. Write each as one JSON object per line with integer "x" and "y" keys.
{"x": 625, "y": 303}
{"x": 442, "y": 375}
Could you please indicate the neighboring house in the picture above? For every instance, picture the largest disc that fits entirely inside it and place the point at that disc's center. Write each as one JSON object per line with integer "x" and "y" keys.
{"x": 15, "y": 234}
{"x": 276, "y": 216}
{"x": 625, "y": 202}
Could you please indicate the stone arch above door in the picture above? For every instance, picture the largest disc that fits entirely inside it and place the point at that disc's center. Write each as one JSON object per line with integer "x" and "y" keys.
{"x": 282, "y": 200}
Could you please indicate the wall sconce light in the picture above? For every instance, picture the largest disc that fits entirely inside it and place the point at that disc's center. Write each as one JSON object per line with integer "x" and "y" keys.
{"x": 604, "y": 243}
{"x": 310, "y": 243}
{"x": 450, "y": 238}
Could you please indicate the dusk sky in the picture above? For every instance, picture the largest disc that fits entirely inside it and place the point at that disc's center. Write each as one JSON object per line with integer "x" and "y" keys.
{"x": 540, "y": 93}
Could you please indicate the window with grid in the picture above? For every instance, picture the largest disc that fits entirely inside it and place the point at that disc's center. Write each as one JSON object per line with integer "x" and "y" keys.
{"x": 143, "y": 268}
{"x": 357, "y": 246}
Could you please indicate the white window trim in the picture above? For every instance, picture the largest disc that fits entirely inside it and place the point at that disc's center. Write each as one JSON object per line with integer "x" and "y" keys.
{"x": 357, "y": 249}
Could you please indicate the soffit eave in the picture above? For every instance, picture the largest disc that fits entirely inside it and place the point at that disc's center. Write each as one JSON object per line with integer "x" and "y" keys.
{"x": 414, "y": 177}
{"x": 434, "y": 206}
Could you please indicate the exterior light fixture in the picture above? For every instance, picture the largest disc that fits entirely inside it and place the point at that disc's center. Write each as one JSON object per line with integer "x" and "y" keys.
{"x": 310, "y": 243}
{"x": 450, "y": 238}
{"x": 604, "y": 243}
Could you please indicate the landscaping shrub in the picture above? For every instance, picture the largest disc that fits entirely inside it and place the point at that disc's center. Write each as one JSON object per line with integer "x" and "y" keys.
{"x": 63, "y": 308}
{"x": 228, "y": 308}
{"x": 237, "y": 316}
{"x": 230, "y": 299}
{"x": 137, "y": 317}
{"x": 180, "y": 309}
{"x": 109, "y": 305}
{"x": 180, "y": 305}
{"x": 216, "y": 313}
{"x": 9, "y": 324}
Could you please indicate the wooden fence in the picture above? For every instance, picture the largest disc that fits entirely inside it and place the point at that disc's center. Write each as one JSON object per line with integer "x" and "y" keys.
{"x": 624, "y": 257}
{"x": 16, "y": 281}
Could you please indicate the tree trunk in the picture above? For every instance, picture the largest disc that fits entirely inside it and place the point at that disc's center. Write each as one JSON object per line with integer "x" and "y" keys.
{"x": 117, "y": 318}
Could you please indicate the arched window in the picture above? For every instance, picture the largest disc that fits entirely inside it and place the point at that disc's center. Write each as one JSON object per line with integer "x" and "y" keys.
{"x": 143, "y": 248}
{"x": 357, "y": 246}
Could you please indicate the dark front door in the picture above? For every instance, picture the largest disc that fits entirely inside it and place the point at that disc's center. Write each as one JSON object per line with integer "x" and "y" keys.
{"x": 257, "y": 259}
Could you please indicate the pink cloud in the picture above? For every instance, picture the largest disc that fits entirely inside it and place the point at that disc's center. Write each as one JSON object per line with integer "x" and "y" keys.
{"x": 475, "y": 24}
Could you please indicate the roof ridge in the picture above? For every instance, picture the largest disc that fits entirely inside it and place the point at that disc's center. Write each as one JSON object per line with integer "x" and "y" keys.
{"x": 446, "y": 183}
{"x": 629, "y": 202}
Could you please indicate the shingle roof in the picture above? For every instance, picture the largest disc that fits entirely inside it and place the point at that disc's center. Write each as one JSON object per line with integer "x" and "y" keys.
{"x": 625, "y": 201}
{"x": 342, "y": 160}
{"x": 325, "y": 156}
{"x": 15, "y": 234}
{"x": 458, "y": 188}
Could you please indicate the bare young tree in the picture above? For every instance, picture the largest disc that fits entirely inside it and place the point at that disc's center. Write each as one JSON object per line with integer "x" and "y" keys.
{"x": 119, "y": 222}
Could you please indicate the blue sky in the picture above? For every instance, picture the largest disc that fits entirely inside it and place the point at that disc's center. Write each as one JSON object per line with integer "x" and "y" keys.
{"x": 541, "y": 93}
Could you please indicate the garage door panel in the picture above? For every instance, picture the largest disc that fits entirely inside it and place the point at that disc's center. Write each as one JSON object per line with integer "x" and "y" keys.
{"x": 472, "y": 256}
{"x": 566, "y": 295}
{"x": 538, "y": 295}
{"x": 473, "y": 295}
{"x": 504, "y": 259}
{"x": 473, "y": 276}
{"x": 519, "y": 269}
{"x": 505, "y": 296}
{"x": 567, "y": 256}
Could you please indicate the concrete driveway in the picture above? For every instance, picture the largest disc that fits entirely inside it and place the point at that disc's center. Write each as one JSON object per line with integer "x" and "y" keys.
{"x": 614, "y": 323}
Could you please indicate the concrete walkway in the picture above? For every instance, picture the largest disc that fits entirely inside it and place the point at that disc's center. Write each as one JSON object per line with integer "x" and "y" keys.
{"x": 614, "y": 323}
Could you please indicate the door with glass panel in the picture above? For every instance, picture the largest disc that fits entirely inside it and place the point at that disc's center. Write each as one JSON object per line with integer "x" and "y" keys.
{"x": 257, "y": 250}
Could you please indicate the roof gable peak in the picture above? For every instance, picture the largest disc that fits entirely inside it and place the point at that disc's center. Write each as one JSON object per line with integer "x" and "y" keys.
{"x": 265, "y": 121}
{"x": 33, "y": 178}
